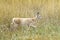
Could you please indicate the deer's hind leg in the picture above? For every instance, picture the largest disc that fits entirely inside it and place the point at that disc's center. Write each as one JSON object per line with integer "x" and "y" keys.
{"x": 13, "y": 26}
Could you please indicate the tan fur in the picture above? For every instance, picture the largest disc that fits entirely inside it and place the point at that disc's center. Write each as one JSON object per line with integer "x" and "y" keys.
{"x": 17, "y": 21}
{"x": 25, "y": 21}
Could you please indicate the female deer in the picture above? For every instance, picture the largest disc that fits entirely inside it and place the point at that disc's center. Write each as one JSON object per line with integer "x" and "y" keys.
{"x": 25, "y": 21}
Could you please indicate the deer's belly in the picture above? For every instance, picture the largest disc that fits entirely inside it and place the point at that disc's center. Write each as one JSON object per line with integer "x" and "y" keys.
{"x": 23, "y": 22}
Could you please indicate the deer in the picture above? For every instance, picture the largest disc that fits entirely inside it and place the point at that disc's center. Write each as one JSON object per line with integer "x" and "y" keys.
{"x": 25, "y": 21}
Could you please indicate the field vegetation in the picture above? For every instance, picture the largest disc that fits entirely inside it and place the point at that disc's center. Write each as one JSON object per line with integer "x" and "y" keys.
{"x": 48, "y": 28}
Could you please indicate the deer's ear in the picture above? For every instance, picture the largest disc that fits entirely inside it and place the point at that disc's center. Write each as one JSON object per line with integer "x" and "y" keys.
{"x": 37, "y": 12}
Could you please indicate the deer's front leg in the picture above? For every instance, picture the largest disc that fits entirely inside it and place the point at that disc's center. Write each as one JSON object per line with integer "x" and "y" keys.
{"x": 33, "y": 24}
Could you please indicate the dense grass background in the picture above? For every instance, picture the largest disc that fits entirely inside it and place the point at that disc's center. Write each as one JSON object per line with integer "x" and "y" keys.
{"x": 48, "y": 28}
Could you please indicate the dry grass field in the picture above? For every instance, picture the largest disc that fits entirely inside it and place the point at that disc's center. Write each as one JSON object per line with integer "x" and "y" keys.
{"x": 48, "y": 28}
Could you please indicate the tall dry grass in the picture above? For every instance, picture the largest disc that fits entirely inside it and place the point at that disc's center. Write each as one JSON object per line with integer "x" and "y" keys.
{"x": 48, "y": 28}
